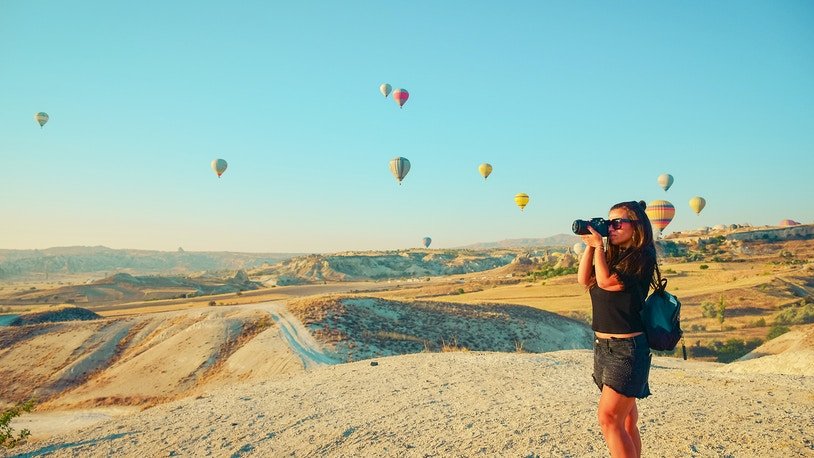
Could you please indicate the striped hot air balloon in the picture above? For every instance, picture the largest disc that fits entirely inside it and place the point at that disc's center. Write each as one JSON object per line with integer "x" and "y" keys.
{"x": 426, "y": 242}
{"x": 485, "y": 169}
{"x": 41, "y": 118}
{"x": 399, "y": 166}
{"x": 521, "y": 199}
{"x": 660, "y": 213}
{"x": 401, "y": 96}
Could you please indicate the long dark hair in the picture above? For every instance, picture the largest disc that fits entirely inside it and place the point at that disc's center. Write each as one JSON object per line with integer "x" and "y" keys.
{"x": 639, "y": 260}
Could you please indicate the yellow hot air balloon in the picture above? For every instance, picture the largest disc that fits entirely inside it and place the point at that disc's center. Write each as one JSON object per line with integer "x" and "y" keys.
{"x": 521, "y": 199}
{"x": 660, "y": 213}
{"x": 665, "y": 181}
{"x": 399, "y": 166}
{"x": 41, "y": 118}
{"x": 697, "y": 204}
{"x": 485, "y": 169}
{"x": 219, "y": 166}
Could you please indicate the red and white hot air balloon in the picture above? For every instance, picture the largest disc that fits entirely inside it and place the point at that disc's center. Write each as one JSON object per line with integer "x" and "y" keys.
{"x": 401, "y": 96}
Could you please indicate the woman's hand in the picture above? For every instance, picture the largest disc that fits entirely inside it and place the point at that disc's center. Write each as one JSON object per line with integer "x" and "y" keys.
{"x": 593, "y": 239}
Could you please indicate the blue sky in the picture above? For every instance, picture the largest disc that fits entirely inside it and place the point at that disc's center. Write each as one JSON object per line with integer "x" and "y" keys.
{"x": 578, "y": 104}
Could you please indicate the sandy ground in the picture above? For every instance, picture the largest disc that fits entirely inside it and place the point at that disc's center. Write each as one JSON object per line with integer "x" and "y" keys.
{"x": 279, "y": 393}
{"x": 463, "y": 404}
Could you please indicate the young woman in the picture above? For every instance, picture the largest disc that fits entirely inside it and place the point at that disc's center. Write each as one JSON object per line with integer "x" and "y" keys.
{"x": 618, "y": 279}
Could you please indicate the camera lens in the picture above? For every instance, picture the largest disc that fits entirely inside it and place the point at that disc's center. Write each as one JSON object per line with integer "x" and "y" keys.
{"x": 580, "y": 227}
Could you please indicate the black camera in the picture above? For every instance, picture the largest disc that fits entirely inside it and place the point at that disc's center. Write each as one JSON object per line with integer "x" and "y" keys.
{"x": 580, "y": 226}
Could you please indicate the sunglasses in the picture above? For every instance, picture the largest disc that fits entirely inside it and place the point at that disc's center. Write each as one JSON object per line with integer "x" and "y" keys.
{"x": 616, "y": 223}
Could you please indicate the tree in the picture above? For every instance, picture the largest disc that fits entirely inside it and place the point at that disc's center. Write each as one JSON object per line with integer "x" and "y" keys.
{"x": 7, "y": 437}
{"x": 721, "y": 311}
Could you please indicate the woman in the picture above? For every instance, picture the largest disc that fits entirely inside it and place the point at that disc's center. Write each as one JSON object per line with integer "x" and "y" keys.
{"x": 618, "y": 279}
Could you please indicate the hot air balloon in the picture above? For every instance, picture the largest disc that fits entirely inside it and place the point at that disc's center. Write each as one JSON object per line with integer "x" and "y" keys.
{"x": 521, "y": 200}
{"x": 219, "y": 166}
{"x": 665, "y": 181}
{"x": 485, "y": 169}
{"x": 399, "y": 166}
{"x": 41, "y": 118}
{"x": 385, "y": 89}
{"x": 579, "y": 248}
{"x": 426, "y": 241}
{"x": 660, "y": 213}
{"x": 401, "y": 96}
{"x": 697, "y": 204}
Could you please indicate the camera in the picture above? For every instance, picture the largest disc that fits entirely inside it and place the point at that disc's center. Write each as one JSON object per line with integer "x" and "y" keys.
{"x": 580, "y": 226}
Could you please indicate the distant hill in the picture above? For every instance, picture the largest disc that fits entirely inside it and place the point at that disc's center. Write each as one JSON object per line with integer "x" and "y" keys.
{"x": 123, "y": 287}
{"x": 380, "y": 265}
{"x": 22, "y": 264}
{"x": 554, "y": 240}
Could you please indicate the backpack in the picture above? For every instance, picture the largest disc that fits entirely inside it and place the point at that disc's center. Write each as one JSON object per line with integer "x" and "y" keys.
{"x": 661, "y": 315}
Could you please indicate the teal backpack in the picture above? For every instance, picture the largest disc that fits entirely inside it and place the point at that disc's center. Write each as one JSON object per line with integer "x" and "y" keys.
{"x": 661, "y": 315}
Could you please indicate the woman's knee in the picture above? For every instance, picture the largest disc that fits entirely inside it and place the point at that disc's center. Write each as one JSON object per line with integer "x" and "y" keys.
{"x": 609, "y": 417}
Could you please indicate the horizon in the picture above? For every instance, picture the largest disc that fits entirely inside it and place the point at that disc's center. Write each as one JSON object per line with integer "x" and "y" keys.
{"x": 408, "y": 248}
{"x": 579, "y": 106}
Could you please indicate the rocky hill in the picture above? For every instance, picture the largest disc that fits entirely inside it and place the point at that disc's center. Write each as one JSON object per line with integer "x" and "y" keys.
{"x": 381, "y": 265}
{"x": 123, "y": 287}
{"x": 53, "y": 315}
{"x": 54, "y": 262}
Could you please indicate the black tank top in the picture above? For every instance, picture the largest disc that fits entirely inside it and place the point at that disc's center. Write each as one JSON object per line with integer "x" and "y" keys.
{"x": 616, "y": 312}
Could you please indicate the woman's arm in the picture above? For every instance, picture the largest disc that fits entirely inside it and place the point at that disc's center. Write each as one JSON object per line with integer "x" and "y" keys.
{"x": 604, "y": 279}
{"x": 585, "y": 273}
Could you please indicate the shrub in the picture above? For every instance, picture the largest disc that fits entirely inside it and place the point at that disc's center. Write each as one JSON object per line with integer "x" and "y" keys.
{"x": 703, "y": 267}
{"x": 549, "y": 272}
{"x": 759, "y": 323}
{"x": 698, "y": 327}
{"x": 777, "y": 330}
{"x": 708, "y": 309}
{"x": 212, "y": 303}
{"x": 733, "y": 349}
{"x": 796, "y": 315}
{"x": 7, "y": 437}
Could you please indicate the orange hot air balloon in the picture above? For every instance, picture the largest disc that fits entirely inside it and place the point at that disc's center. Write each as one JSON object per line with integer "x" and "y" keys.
{"x": 401, "y": 96}
{"x": 660, "y": 213}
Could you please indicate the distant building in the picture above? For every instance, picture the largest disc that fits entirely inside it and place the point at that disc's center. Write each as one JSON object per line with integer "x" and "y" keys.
{"x": 788, "y": 222}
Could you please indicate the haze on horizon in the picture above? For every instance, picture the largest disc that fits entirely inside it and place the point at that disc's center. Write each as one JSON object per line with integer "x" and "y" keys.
{"x": 578, "y": 105}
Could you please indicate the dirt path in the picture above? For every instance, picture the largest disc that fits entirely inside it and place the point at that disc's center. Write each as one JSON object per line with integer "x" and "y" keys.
{"x": 297, "y": 337}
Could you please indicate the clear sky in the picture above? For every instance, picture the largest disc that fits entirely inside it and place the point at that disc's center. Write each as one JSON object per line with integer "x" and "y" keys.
{"x": 578, "y": 104}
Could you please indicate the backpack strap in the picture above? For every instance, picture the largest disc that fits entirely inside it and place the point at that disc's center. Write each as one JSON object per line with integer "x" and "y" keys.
{"x": 661, "y": 283}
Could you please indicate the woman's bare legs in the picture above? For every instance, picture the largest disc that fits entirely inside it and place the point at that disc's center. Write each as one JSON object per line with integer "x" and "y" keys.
{"x": 617, "y": 418}
{"x": 632, "y": 429}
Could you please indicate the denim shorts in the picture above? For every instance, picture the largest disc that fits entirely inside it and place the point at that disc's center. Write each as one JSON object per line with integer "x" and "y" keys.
{"x": 623, "y": 364}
